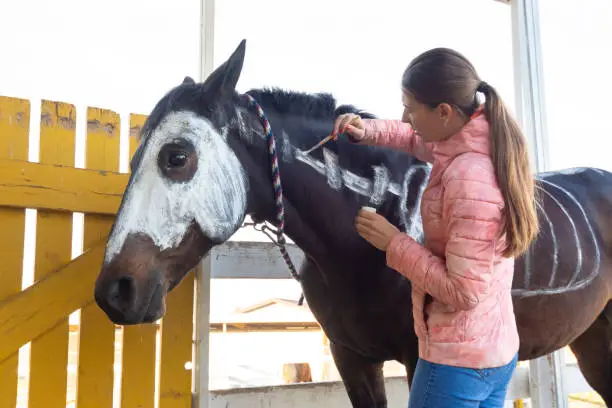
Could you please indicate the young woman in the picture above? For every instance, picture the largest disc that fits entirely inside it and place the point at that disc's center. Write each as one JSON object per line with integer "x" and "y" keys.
{"x": 478, "y": 213}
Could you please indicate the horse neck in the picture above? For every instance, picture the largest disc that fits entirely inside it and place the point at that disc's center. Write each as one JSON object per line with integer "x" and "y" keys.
{"x": 322, "y": 199}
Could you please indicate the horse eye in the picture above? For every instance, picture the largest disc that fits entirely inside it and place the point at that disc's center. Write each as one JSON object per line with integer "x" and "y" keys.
{"x": 177, "y": 159}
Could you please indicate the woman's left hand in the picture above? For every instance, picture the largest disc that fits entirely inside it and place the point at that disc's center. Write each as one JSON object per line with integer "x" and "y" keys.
{"x": 375, "y": 229}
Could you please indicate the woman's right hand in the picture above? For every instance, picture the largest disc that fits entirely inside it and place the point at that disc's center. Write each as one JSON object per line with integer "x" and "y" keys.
{"x": 350, "y": 124}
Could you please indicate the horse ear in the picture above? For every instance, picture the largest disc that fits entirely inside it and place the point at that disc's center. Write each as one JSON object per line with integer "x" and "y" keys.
{"x": 188, "y": 80}
{"x": 224, "y": 79}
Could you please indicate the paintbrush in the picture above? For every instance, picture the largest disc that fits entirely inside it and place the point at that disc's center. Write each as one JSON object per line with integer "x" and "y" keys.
{"x": 321, "y": 143}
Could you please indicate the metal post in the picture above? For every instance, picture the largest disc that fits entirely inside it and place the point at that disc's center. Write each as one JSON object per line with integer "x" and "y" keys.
{"x": 207, "y": 38}
{"x": 529, "y": 78}
{"x": 202, "y": 333}
{"x": 546, "y": 373}
{"x": 201, "y": 397}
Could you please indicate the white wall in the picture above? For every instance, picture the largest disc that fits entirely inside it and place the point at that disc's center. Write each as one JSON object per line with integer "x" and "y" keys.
{"x": 576, "y": 59}
{"x": 113, "y": 54}
{"x": 358, "y": 50}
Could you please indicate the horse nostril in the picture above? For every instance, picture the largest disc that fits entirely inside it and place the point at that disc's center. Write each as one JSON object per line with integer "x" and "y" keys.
{"x": 122, "y": 293}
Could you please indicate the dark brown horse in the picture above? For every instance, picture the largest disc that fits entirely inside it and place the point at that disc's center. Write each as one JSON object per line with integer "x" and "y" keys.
{"x": 203, "y": 165}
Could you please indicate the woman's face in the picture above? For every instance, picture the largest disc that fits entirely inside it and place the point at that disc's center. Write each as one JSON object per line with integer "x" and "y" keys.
{"x": 432, "y": 124}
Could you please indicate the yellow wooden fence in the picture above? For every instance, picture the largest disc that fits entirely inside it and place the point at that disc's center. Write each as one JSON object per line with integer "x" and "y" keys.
{"x": 39, "y": 314}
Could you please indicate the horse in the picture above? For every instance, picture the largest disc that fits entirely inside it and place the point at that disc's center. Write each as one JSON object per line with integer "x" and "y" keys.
{"x": 204, "y": 163}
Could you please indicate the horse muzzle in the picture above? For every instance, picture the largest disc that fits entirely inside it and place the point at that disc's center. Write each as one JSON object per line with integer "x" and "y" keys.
{"x": 131, "y": 287}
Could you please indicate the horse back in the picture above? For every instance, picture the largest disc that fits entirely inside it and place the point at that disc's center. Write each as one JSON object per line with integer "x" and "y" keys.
{"x": 575, "y": 241}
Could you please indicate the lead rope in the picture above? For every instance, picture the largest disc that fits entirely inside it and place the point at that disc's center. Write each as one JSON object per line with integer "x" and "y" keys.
{"x": 278, "y": 191}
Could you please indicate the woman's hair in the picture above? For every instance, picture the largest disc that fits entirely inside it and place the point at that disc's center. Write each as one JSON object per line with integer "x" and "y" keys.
{"x": 442, "y": 75}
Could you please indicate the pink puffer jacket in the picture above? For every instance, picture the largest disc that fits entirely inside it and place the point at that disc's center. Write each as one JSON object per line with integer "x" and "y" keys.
{"x": 470, "y": 322}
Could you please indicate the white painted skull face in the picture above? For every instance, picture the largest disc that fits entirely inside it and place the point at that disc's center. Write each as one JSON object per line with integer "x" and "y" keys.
{"x": 187, "y": 192}
{"x": 187, "y": 173}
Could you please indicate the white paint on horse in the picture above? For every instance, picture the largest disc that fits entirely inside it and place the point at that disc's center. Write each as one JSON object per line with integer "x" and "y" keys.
{"x": 332, "y": 169}
{"x": 242, "y": 117}
{"x": 286, "y": 148}
{"x": 553, "y": 236}
{"x": 573, "y": 283}
{"x": 381, "y": 184}
{"x": 412, "y": 220}
{"x": 215, "y": 197}
{"x": 364, "y": 187}
{"x": 527, "y": 277}
{"x": 352, "y": 181}
{"x": 590, "y": 227}
{"x": 529, "y": 253}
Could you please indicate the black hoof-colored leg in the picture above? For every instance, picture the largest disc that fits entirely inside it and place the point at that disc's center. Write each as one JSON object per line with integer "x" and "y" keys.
{"x": 363, "y": 380}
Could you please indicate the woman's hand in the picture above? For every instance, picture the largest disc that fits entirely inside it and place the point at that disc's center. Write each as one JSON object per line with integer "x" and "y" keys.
{"x": 351, "y": 124}
{"x": 375, "y": 229}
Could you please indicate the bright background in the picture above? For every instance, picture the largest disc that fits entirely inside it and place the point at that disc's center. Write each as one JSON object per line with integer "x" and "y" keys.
{"x": 124, "y": 55}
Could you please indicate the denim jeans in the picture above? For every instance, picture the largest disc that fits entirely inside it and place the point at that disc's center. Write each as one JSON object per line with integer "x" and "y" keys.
{"x": 442, "y": 386}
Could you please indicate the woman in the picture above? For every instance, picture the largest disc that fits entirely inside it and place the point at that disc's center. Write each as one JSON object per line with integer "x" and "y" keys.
{"x": 478, "y": 212}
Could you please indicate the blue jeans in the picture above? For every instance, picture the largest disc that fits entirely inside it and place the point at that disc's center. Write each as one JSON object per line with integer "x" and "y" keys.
{"x": 442, "y": 386}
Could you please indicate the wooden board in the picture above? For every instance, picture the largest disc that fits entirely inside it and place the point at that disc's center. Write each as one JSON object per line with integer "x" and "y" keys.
{"x": 138, "y": 378}
{"x": 49, "y": 353}
{"x": 176, "y": 346}
{"x": 97, "y": 334}
{"x": 253, "y": 260}
{"x": 14, "y": 138}
{"x": 62, "y": 188}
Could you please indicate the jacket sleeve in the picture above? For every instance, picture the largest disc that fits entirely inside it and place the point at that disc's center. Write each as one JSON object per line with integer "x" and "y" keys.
{"x": 473, "y": 215}
{"x": 398, "y": 135}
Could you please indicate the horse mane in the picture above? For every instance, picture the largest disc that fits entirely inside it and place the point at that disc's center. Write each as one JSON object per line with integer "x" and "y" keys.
{"x": 311, "y": 105}
{"x": 315, "y": 106}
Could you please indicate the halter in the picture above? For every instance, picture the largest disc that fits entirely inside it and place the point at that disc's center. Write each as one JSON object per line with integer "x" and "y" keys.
{"x": 278, "y": 193}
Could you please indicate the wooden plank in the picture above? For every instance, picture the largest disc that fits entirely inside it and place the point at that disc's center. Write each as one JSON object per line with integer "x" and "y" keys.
{"x": 138, "y": 379}
{"x": 137, "y": 121}
{"x": 333, "y": 394}
{"x": 50, "y": 301}
{"x": 97, "y": 335}
{"x": 49, "y": 353}
{"x": 176, "y": 346}
{"x": 202, "y": 334}
{"x": 546, "y": 381}
{"x": 62, "y": 188}
{"x": 14, "y": 134}
{"x": 253, "y": 260}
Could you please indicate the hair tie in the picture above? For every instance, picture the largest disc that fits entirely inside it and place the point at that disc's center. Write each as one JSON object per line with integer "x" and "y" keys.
{"x": 483, "y": 87}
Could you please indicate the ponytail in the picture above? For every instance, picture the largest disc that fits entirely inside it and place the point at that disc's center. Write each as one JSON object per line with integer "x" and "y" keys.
{"x": 512, "y": 168}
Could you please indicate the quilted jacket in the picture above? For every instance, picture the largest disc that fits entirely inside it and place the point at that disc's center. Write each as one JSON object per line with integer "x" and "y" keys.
{"x": 468, "y": 319}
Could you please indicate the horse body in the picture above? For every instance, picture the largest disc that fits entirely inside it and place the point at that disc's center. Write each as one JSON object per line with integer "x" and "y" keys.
{"x": 562, "y": 288}
{"x": 566, "y": 276}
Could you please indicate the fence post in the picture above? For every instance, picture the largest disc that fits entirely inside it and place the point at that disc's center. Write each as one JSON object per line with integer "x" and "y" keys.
{"x": 202, "y": 333}
{"x": 207, "y": 38}
{"x": 546, "y": 383}
{"x": 546, "y": 373}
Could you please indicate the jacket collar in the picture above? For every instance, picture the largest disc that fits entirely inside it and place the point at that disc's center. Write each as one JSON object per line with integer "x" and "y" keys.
{"x": 473, "y": 137}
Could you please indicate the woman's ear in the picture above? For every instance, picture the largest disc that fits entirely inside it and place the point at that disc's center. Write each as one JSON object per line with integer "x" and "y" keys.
{"x": 445, "y": 111}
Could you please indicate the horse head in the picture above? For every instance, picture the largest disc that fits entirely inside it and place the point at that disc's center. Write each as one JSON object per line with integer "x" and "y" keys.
{"x": 187, "y": 192}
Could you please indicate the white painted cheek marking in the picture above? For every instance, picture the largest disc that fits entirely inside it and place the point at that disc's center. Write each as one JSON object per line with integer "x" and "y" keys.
{"x": 215, "y": 197}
